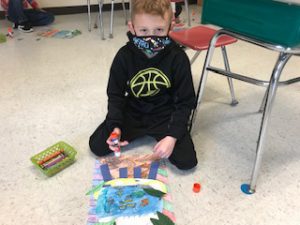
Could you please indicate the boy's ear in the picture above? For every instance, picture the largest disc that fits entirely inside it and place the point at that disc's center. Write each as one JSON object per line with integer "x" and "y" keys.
{"x": 130, "y": 28}
{"x": 172, "y": 25}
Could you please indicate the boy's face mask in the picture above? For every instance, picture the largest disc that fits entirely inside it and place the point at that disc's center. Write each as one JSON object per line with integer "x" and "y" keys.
{"x": 151, "y": 44}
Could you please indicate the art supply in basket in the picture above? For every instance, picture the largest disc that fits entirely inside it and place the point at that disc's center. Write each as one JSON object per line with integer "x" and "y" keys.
{"x": 53, "y": 161}
{"x": 50, "y": 157}
{"x": 55, "y": 158}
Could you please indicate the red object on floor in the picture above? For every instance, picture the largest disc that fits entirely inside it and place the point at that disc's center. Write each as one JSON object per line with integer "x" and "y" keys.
{"x": 196, "y": 187}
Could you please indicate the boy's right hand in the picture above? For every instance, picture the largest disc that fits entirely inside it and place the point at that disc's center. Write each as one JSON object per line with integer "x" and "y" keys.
{"x": 111, "y": 145}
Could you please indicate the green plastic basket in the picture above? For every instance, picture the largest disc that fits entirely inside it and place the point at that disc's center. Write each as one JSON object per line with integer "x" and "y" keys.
{"x": 69, "y": 152}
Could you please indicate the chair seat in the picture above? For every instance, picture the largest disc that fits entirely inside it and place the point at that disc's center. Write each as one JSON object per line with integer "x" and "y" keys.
{"x": 198, "y": 38}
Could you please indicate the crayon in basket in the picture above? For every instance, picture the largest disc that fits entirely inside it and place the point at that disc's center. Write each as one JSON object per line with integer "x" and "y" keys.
{"x": 52, "y": 159}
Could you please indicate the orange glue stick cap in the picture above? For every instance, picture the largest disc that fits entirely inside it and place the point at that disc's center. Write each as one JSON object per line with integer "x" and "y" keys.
{"x": 196, "y": 187}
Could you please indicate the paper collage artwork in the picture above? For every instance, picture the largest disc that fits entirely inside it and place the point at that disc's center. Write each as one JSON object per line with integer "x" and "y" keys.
{"x": 130, "y": 190}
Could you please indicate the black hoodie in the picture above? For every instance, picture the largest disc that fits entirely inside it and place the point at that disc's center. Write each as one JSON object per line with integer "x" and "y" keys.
{"x": 158, "y": 87}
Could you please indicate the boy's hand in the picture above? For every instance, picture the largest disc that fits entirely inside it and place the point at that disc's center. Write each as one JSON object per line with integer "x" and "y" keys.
{"x": 111, "y": 144}
{"x": 164, "y": 148}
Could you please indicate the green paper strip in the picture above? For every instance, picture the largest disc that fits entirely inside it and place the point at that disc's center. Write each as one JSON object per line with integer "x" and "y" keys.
{"x": 112, "y": 222}
{"x": 168, "y": 206}
{"x": 162, "y": 172}
{"x": 154, "y": 192}
{"x": 168, "y": 188}
{"x": 96, "y": 188}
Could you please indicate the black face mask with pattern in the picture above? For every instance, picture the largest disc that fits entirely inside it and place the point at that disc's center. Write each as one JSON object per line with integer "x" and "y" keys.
{"x": 151, "y": 44}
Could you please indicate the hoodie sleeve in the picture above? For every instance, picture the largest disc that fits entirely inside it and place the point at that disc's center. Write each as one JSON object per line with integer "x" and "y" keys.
{"x": 116, "y": 92}
{"x": 183, "y": 96}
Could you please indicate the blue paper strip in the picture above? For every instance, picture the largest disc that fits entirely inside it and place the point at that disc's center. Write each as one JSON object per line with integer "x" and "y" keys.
{"x": 137, "y": 172}
{"x": 123, "y": 172}
{"x": 153, "y": 170}
{"x": 105, "y": 172}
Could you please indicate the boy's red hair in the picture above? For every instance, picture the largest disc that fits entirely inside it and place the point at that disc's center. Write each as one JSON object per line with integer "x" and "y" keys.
{"x": 152, "y": 7}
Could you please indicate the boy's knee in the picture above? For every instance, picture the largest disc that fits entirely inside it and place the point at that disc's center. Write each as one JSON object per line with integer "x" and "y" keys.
{"x": 98, "y": 148}
{"x": 184, "y": 156}
{"x": 98, "y": 143}
{"x": 51, "y": 18}
{"x": 184, "y": 165}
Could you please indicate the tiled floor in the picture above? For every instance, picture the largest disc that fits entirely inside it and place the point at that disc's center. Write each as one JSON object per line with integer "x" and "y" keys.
{"x": 55, "y": 89}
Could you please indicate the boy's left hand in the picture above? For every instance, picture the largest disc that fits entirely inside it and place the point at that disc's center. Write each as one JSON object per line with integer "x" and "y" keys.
{"x": 164, "y": 148}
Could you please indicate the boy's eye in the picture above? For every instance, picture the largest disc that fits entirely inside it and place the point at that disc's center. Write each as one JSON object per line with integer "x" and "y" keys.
{"x": 144, "y": 31}
{"x": 159, "y": 31}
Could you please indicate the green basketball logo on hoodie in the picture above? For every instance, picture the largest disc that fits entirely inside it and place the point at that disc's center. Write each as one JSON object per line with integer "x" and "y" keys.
{"x": 149, "y": 82}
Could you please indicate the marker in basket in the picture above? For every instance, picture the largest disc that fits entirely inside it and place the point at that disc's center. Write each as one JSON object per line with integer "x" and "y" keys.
{"x": 53, "y": 161}
{"x": 53, "y": 155}
{"x": 114, "y": 138}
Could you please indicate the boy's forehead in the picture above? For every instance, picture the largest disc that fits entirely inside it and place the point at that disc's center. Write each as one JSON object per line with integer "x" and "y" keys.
{"x": 145, "y": 19}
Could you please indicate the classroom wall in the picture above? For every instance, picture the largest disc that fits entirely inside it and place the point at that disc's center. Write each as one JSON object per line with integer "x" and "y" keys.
{"x": 65, "y": 3}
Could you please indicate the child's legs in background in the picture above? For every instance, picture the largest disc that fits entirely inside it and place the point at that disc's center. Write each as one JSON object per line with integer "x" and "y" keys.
{"x": 39, "y": 18}
{"x": 178, "y": 9}
{"x": 16, "y": 12}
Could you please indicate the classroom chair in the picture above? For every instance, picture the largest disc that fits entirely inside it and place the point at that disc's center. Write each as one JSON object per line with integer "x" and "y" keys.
{"x": 100, "y": 17}
{"x": 284, "y": 54}
{"x": 198, "y": 38}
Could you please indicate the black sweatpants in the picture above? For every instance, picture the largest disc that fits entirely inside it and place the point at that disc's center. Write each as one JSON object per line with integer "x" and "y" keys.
{"x": 183, "y": 155}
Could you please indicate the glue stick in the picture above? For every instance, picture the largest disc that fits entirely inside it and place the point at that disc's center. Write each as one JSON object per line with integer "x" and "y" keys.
{"x": 10, "y": 32}
{"x": 114, "y": 138}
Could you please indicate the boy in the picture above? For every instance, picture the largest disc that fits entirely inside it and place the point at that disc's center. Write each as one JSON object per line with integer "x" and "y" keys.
{"x": 150, "y": 89}
{"x": 23, "y": 18}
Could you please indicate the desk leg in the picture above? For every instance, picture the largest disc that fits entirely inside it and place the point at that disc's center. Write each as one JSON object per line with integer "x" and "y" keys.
{"x": 101, "y": 27}
{"x": 89, "y": 15}
{"x": 125, "y": 12}
{"x": 111, "y": 20}
{"x": 281, "y": 62}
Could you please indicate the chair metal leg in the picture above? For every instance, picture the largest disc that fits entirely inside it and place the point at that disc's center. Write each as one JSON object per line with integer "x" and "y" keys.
{"x": 89, "y": 15}
{"x": 195, "y": 56}
{"x": 125, "y": 12}
{"x": 263, "y": 103}
{"x": 281, "y": 62}
{"x": 111, "y": 19}
{"x": 186, "y": 4}
{"x": 227, "y": 68}
{"x": 100, "y": 18}
{"x": 130, "y": 7}
{"x": 192, "y": 60}
{"x": 203, "y": 78}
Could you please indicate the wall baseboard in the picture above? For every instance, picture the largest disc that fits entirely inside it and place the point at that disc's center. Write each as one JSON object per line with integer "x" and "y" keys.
{"x": 82, "y": 9}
